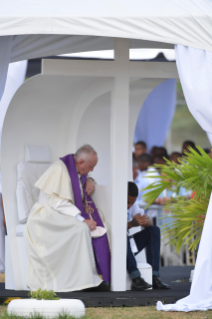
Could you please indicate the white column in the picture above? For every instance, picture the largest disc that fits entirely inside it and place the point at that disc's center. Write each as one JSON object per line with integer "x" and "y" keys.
{"x": 119, "y": 163}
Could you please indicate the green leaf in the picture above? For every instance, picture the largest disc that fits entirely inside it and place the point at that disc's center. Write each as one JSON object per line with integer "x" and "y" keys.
{"x": 187, "y": 215}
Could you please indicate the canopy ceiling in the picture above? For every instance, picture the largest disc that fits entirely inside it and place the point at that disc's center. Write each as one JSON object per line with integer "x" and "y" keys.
{"x": 185, "y": 22}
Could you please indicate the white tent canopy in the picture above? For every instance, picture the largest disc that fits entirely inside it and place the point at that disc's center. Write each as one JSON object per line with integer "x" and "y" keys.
{"x": 184, "y": 22}
{"x": 35, "y": 28}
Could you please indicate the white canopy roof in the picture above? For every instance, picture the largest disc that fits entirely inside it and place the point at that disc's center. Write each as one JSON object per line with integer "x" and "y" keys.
{"x": 185, "y": 22}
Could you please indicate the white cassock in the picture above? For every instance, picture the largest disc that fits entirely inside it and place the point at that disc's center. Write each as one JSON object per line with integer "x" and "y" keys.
{"x": 58, "y": 242}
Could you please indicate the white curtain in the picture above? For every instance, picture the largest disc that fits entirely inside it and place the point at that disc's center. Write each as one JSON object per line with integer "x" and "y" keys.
{"x": 209, "y": 135}
{"x": 156, "y": 115}
{"x": 195, "y": 71}
{"x": 15, "y": 77}
{"x": 5, "y": 49}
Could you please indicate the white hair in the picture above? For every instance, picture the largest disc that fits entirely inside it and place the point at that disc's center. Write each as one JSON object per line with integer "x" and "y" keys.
{"x": 84, "y": 152}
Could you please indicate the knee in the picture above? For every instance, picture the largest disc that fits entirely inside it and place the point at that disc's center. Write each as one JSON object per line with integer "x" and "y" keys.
{"x": 155, "y": 230}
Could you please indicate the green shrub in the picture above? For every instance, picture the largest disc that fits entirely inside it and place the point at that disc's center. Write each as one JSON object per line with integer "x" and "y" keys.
{"x": 43, "y": 294}
{"x": 194, "y": 173}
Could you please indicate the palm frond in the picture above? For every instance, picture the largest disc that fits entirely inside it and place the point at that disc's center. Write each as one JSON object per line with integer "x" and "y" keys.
{"x": 194, "y": 173}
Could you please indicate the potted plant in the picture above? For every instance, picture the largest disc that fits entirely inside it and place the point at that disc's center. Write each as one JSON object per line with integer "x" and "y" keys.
{"x": 47, "y": 304}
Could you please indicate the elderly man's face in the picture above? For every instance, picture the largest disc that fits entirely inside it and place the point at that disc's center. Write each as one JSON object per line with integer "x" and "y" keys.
{"x": 86, "y": 166}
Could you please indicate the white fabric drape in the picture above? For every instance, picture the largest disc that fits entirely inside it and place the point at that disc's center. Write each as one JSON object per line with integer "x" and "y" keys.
{"x": 15, "y": 77}
{"x": 5, "y": 49}
{"x": 156, "y": 115}
{"x": 209, "y": 135}
{"x": 195, "y": 71}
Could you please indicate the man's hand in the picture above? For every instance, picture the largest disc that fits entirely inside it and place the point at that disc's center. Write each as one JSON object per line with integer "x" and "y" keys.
{"x": 91, "y": 223}
{"x": 89, "y": 186}
{"x": 142, "y": 220}
{"x": 162, "y": 201}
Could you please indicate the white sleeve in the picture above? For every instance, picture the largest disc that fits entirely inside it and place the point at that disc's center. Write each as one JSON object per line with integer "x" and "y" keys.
{"x": 136, "y": 210}
{"x": 79, "y": 217}
{"x": 64, "y": 206}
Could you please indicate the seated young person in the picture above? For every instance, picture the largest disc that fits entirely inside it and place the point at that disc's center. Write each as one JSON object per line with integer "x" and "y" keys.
{"x": 148, "y": 237}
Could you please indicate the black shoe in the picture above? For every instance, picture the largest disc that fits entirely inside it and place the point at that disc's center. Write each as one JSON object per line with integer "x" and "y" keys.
{"x": 140, "y": 284}
{"x": 159, "y": 284}
{"x": 104, "y": 286}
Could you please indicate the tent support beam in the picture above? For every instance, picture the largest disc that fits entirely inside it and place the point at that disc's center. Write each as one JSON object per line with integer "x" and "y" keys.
{"x": 140, "y": 69}
{"x": 119, "y": 163}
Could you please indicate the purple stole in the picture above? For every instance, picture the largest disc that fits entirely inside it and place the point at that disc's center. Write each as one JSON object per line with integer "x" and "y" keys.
{"x": 100, "y": 245}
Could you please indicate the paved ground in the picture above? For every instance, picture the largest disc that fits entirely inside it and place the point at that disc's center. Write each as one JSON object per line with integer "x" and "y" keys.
{"x": 127, "y": 298}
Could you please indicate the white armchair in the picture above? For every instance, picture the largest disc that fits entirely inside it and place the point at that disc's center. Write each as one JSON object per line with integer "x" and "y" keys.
{"x": 37, "y": 160}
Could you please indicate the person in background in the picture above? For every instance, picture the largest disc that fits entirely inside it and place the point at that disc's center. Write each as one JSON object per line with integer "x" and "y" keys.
{"x": 175, "y": 156}
{"x": 148, "y": 237}
{"x": 161, "y": 151}
{"x": 153, "y": 151}
{"x": 144, "y": 163}
{"x": 207, "y": 150}
{"x": 185, "y": 146}
{"x": 140, "y": 148}
{"x": 135, "y": 169}
{"x": 159, "y": 159}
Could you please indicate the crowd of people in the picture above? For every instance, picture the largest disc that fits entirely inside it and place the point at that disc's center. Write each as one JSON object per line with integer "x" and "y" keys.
{"x": 143, "y": 166}
{"x": 144, "y": 174}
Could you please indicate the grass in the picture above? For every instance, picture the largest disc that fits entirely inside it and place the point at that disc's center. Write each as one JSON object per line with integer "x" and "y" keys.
{"x": 124, "y": 313}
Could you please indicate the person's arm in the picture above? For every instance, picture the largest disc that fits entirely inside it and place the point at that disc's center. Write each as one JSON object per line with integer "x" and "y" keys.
{"x": 133, "y": 223}
{"x": 63, "y": 206}
{"x": 129, "y": 225}
{"x": 90, "y": 185}
{"x": 144, "y": 221}
{"x": 138, "y": 220}
{"x": 66, "y": 207}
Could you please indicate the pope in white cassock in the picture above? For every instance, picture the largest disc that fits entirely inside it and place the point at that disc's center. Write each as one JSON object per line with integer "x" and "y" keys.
{"x": 65, "y": 235}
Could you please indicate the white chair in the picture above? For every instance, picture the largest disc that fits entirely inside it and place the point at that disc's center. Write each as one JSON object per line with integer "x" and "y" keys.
{"x": 144, "y": 268}
{"x": 37, "y": 160}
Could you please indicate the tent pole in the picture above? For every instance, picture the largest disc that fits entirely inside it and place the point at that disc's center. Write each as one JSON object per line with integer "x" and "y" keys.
{"x": 119, "y": 163}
